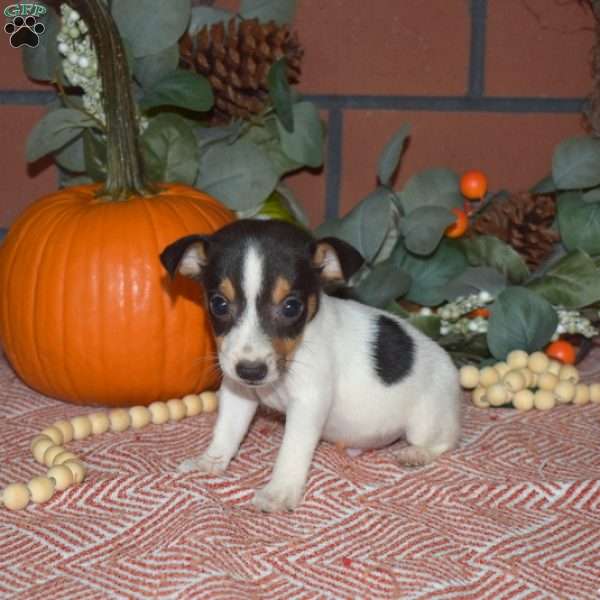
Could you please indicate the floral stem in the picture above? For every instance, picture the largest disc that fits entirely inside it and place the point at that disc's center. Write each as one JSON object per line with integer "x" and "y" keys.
{"x": 124, "y": 166}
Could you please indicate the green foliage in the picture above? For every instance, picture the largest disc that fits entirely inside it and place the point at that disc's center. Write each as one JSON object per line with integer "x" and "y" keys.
{"x": 43, "y": 62}
{"x": 182, "y": 89}
{"x": 390, "y": 157}
{"x": 579, "y": 223}
{"x": 424, "y": 227}
{"x": 520, "y": 320}
{"x": 150, "y": 69}
{"x": 304, "y": 144}
{"x": 280, "y": 11}
{"x": 433, "y": 187}
{"x": 473, "y": 280}
{"x": 384, "y": 283}
{"x": 281, "y": 95}
{"x": 575, "y": 163}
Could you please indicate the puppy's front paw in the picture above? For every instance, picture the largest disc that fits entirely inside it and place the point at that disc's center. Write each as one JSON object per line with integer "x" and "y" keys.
{"x": 203, "y": 464}
{"x": 414, "y": 456}
{"x": 277, "y": 498}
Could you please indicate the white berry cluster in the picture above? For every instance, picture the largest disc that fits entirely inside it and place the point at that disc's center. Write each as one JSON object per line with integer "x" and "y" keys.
{"x": 80, "y": 63}
{"x": 453, "y": 314}
{"x": 571, "y": 321}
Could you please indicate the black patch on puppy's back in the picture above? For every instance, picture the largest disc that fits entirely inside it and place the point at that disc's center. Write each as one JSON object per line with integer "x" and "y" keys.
{"x": 393, "y": 351}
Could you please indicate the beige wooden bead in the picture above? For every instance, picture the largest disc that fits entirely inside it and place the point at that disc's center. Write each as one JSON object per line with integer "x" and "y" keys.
{"x": 176, "y": 409}
{"x": 547, "y": 381}
{"x": 209, "y": 401}
{"x": 582, "y": 394}
{"x": 159, "y": 412}
{"x": 544, "y": 400}
{"x": 569, "y": 373}
{"x": 193, "y": 404}
{"x": 39, "y": 445}
{"x": 502, "y": 368}
{"x": 538, "y": 362}
{"x": 515, "y": 380}
{"x": 41, "y": 489}
{"x": 63, "y": 476}
{"x": 82, "y": 427}
{"x": 497, "y": 394}
{"x": 66, "y": 429}
{"x": 517, "y": 359}
{"x": 479, "y": 398}
{"x": 595, "y": 393}
{"x": 529, "y": 377}
{"x": 55, "y": 434}
{"x": 140, "y": 416}
{"x": 77, "y": 468}
{"x": 51, "y": 454}
{"x": 523, "y": 400}
{"x": 554, "y": 367}
{"x": 100, "y": 422}
{"x": 488, "y": 376}
{"x": 119, "y": 419}
{"x": 63, "y": 457}
{"x": 469, "y": 376}
{"x": 564, "y": 391}
{"x": 15, "y": 496}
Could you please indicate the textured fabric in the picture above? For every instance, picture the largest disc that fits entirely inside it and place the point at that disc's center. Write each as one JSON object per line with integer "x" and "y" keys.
{"x": 513, "y": 513}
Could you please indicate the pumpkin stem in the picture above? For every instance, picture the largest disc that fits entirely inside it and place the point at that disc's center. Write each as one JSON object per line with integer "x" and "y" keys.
{"x": 124, "y": 166}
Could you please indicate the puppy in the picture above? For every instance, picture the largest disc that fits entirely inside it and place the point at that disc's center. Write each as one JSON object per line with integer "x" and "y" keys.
{"x": 340, "y": 371}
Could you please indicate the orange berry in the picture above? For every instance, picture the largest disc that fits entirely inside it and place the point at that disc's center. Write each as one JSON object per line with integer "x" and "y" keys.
{"x": 461, "y": 224}
{"x": 473, "y": 185}
{"x": 479, "y": 312}
{"x": 562, "y": 351}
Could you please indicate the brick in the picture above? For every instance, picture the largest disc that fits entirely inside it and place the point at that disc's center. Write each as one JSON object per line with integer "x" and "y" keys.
{"x": 414, "y": 47}
{"x": 21, "y": 183}
{"x": 12, "y": 75}
{"x": 538, "y": 48}
{"x": 308, "y": 187}
{"x": 515, "y": 150}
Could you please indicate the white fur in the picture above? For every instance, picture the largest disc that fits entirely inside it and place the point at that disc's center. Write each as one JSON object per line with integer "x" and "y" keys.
{"x": 332, "y": 392}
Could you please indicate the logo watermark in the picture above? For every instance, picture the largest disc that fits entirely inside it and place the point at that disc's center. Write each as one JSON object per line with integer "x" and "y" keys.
{"x": 24, "y": 28}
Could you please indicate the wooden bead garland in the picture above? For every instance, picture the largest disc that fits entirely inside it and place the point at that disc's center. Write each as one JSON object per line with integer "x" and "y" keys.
{"x": 65, "y": 467}
{"x": 527, "y": 381}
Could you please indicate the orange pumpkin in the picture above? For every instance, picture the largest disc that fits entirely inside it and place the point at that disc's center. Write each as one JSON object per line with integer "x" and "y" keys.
{"x": 86, "y": 311}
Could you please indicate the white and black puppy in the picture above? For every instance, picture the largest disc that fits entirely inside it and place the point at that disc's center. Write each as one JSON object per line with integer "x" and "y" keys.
{"x": 340, "y": 371}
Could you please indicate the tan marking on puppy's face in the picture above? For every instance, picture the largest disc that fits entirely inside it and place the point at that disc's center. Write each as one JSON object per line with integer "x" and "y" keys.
{"x": 281, "y": 290}
{"x": 284, "y": 349}
{"x": 226, "y": 288}
{"x": 219, "y": 341}
{"x": 311, "y": 307}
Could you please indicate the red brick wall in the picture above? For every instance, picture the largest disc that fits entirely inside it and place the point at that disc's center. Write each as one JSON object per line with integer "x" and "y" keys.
{"x": 490, "y": 84}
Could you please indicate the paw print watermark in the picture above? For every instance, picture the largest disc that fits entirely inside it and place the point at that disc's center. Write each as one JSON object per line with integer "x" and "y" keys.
{"x": 24, "y": 28}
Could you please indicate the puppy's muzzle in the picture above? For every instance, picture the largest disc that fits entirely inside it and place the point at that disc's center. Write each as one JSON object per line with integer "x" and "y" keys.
{"x": 252, "y": 372}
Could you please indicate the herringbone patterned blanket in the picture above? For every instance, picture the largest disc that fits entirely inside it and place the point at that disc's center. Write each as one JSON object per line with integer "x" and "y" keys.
{"x": 513, "y": 513}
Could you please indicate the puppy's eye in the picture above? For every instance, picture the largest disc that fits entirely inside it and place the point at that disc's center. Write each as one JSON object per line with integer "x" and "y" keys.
{"x": 218, "y": 306}
{"x": 291, "y": 308}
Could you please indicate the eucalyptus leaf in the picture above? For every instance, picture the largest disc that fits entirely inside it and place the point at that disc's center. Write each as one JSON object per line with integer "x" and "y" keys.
{"x": 94, "y": 150}
{"x": 489, "y": 251}
{"x": 424, "y": 227}
{"x": 180, "y": 88}
{"x": 239, "y": 174}
{"x": 592, "y": 195}
{"x": 71, "y": 156}
{"x": 575, "y": 163}
{"x": 266, "y": 136}
{"x": 54, "y": 130}
{"x": 227, "y": 134}
{"x": 205, "y": 16}
{"x": 150, "y": 26}
{"x": 280, "y": 11}
{"x": 384, "y": 283}
{"x": 430, "y": 275}
{"x": 279, "y": 91}
{"x": 292, "y": 204}
{"x": 43, "y": 62}
{"x": 152, "y": 68}
{"x": 579, "y": 223}
{"x": 572, "y": 282}
{"x": 544, "y": 186}
{"x": 473, "y": 280}
{"x": 390, "y": 157}
{"x": 170, "y": 150}
{"x": 430, "y": 325}
{"x": 365, "y": 227}
{"x": 305, "y": 144}
{"x": 520, "y": 319}
{"x": 433, "y": 187}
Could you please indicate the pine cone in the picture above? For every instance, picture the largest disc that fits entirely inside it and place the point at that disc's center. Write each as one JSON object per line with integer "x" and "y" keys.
{"x": 236, "y": 59}
{"x": 525, "y": 222}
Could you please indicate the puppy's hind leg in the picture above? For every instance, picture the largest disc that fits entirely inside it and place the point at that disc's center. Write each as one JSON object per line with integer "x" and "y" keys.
{"x": 430, "y": 433}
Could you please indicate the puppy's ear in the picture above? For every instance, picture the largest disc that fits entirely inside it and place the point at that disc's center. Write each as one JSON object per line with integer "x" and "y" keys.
{"x": 187, "y": 255}
{"x": 336, "y": 260}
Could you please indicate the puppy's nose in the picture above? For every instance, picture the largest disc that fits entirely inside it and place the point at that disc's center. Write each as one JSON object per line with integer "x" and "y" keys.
{"x": 253, "y": 371}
